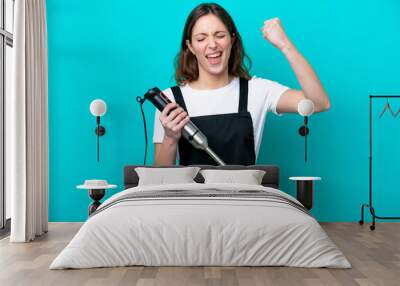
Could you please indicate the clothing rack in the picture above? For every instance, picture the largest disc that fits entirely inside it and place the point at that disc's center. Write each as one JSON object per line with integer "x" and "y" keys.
{"x": 369, "y": 205}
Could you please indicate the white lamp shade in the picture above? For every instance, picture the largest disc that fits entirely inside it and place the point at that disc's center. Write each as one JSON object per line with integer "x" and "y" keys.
{"x": 98, "y": 107}
{"x": 305, "y": 107}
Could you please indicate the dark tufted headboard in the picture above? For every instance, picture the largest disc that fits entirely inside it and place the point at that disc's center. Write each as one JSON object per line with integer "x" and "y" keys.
{"x": 271, "y": 177}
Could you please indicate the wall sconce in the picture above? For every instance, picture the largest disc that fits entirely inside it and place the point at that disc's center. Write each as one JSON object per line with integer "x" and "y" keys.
{"x": 98, "y": 108}
{"x": 305, "y": 108}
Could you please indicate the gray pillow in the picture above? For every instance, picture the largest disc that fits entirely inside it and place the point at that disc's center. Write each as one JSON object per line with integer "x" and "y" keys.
{"x": 248, "y": 177}
{"x": 163, "y": 176}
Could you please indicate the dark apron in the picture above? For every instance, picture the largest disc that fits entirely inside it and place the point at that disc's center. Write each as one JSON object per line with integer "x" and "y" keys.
{"x": 230, "y": 135}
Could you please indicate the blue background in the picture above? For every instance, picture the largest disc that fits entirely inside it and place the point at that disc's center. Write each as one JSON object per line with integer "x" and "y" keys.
{"x": 116, "y": 50}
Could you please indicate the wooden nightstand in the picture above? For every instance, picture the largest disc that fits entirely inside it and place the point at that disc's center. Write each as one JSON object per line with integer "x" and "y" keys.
{"x": 305, "y": 190}
{"x": 97, "y": 190}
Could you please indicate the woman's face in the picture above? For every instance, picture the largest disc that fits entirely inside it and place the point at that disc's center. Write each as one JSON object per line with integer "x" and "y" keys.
{"x": 211, "y": 43}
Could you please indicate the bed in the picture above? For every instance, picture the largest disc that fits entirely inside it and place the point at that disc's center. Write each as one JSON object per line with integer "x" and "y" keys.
{"x": 201, "y": 224}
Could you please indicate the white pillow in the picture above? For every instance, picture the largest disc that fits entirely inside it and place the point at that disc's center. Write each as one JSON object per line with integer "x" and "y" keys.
{"x": 248, "y": 177}
{"x": 163, "y": 176}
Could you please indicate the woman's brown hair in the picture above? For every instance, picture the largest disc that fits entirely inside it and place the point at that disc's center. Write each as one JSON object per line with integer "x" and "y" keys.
{"x": 186, "y": 66}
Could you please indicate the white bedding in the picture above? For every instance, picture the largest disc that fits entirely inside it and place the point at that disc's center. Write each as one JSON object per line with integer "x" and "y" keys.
{"x": 182, "y": 231}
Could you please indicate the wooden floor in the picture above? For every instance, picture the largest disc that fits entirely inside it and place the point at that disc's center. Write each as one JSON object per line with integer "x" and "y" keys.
{"x": 374, "y": 255}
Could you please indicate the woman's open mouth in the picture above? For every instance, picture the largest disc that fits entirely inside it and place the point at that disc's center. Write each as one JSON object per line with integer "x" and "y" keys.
{"x": 214, "y": 58}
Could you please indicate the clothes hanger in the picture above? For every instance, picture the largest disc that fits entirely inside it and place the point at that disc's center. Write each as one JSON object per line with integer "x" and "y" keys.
{"x": 387, "y": 107}
{"x": 396, "y": 113}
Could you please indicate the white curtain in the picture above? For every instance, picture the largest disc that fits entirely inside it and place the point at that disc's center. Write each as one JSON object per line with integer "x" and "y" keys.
{"x": 27, "y": 124}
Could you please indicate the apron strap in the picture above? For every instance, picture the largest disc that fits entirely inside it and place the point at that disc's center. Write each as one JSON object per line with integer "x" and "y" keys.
{"x": 243, "y": 95}
{"x": 176, "y": 91}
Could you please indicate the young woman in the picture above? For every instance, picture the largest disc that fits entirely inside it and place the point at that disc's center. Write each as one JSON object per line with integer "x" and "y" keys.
{"x": 222, "y": 99}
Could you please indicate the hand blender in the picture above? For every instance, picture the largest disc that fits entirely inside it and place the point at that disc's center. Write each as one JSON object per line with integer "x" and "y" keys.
{"x": 190, "y": 131}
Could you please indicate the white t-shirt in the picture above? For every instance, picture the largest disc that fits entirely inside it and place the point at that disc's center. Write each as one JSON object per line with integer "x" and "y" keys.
{"x": 263, "y": 96}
